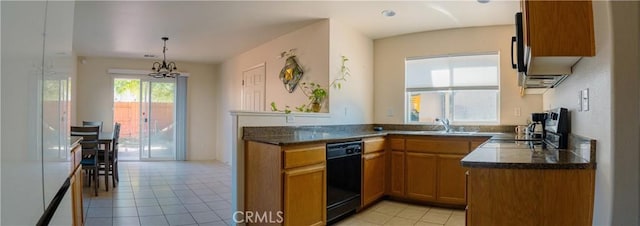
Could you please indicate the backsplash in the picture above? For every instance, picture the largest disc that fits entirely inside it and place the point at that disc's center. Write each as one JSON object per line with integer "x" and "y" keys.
{"x": 467, "y": 128}
{"x": 583, "y": 147}
{"x": 290, "y": 130}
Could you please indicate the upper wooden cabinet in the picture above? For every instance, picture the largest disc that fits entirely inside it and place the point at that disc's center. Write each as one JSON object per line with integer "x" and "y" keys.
{"x": 556, "y": 35}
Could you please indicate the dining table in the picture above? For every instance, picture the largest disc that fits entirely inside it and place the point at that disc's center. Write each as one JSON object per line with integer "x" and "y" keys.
{"x": 106, "y": 139}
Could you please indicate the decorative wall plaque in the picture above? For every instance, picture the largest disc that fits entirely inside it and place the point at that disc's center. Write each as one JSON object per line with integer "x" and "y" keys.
{"x": 291, "y": 74}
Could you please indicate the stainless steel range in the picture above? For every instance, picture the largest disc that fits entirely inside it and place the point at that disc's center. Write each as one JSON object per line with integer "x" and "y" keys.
{"x": 556, "y": 128}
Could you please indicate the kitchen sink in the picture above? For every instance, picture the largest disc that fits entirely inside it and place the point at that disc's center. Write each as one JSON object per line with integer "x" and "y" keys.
{"x": 456, "y": 132}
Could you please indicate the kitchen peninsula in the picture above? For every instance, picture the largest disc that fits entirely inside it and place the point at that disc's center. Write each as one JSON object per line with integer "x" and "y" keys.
{"x": 413, "y": 166}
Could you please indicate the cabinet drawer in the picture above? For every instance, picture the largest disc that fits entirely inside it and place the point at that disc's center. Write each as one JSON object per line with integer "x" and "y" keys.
{"x": 397, "y": 144}
{"x": 304, "y": 155}
{"x": 374, "y": 145}
{"x": 438, "y": 146}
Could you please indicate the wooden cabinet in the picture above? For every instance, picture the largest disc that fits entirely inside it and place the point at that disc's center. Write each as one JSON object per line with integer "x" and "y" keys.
{"x": 374, "y": 164}
{"x": 76, "y": 185}
{"x": 76, "y": 198}
{"x": 532, "y": 196}
{"x": 556, "y": 35}
{"x": 396, "y": 179}
{"x": 304, "y": 195}
{"x": 429, "y": 169}
{"x": 373, "y": 177}
{"x": 421, "y": 176}
{"x": 291, "y": 179}
{"x": 451, "y": 179}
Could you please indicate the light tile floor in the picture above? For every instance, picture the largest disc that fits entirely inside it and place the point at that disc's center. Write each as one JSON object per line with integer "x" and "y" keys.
{"x": 163, "y": 193}
{"x": 199, "y": 193}
{"x": 395, "y": 213}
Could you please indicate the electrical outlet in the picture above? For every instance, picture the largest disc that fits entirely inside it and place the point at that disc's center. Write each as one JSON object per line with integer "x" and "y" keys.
{"x": 389, "y": 112}
{"x": 291, "y": 119}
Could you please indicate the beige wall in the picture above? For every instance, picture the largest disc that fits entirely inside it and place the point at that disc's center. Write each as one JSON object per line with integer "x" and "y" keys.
{"x": 353, "y": 104}
{"x": 319, "y": 49}
{"x": 612, "y": 79}
{"x": 95, "y": 98}
{"x": 389, "y": 62}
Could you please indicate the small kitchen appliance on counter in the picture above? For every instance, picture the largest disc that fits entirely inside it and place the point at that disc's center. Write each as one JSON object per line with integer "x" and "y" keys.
{"x": 535, "y": 129}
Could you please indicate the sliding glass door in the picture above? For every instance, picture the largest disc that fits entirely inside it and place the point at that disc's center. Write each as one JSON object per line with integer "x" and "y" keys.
{"x": 158, "y": 119}
{"x": 146, "y": 109}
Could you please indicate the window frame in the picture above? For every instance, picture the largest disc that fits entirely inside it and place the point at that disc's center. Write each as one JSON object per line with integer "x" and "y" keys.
{"x": 449, "y": 108}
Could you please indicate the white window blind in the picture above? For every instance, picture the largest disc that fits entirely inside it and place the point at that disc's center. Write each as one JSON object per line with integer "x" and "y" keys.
{"x": 464, "y": 89}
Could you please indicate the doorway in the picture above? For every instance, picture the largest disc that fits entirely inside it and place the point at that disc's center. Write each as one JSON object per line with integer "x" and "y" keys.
{"x": 146, "y": 109}
{"x": 253, "y": 89}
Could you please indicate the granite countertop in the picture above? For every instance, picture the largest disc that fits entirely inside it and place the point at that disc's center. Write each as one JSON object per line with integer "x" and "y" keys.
{"x": 520, "y": 155}
{"x": 73, "y": 141}
{"x": 503, "y": 150}
{"x": 304, "y": 136}
{"x": 300, "y": 137}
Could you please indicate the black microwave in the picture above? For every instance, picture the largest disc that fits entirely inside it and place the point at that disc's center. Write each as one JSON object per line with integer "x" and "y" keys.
{"x": 518, "y": 40}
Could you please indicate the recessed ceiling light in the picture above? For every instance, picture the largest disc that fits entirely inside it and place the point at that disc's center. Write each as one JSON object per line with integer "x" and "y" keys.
{"x": 483, "y": 1}
{"x": 388, "y": 13}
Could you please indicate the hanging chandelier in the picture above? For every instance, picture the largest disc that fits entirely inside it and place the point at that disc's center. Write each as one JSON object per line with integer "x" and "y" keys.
{"x": 164, "y": 69}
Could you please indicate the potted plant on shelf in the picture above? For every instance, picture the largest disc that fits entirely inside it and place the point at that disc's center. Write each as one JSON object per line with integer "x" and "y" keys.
{"x": 316, "y": 95}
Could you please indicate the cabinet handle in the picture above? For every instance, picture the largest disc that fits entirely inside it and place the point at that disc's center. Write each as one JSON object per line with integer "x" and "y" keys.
{"x": 513, "y": 40}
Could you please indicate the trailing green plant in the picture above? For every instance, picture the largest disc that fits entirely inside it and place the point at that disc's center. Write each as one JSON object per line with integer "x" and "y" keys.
{"x": 315, "y": 92}
{"x": 344, "y": 73}
{"x": 275, "y": 108}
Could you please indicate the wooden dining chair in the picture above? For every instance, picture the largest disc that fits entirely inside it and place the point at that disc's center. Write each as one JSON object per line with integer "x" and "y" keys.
{"x": 93, "y": 123}
{"x": 90, "y": 149}
{"x": 111, "y": 167}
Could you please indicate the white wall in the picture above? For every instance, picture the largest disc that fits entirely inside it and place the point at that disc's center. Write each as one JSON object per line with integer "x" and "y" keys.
{"x": 95, "y": 99}
{"x": 389, "y": 62}
{"x": 612, "y": 79}
{"x": 29, "y": 59}
{"x": 319, "y": 48}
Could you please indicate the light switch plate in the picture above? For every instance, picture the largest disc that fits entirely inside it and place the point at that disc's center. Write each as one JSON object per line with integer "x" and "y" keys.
{"x": 584, "y": 100}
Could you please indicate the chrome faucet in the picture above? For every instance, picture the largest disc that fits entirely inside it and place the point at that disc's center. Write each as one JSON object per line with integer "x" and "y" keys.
{"x": 445, "y": 123}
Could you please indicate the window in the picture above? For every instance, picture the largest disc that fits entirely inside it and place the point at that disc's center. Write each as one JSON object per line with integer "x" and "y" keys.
{"x": 464, "y": 89}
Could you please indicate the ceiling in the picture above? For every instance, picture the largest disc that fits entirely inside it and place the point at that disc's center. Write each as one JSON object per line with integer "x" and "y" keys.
{"x": 213, "y": 31}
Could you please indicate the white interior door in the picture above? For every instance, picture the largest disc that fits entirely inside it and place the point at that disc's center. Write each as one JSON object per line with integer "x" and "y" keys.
{"x": 253, "y": 89}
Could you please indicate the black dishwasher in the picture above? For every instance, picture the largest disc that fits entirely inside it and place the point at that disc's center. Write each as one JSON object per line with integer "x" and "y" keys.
{"x": 343, "y": 179}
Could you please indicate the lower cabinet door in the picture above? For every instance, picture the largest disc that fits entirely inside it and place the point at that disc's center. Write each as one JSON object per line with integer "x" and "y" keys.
{"x": 421, "y": 176}
{"x": 396, "y": 181}
{"x": 76, "y": 198}
{"x": 305, "y": 195}
{"x": 451, "y": 180}
{"x": 373, "y": 177}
